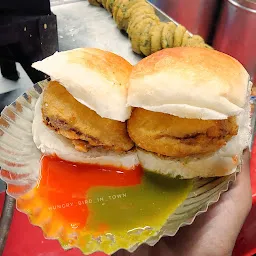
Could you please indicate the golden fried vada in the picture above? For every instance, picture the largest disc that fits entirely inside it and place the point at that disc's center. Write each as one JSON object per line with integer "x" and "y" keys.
{"x": 173, "y": 136}
{"x": 68, "y": 117}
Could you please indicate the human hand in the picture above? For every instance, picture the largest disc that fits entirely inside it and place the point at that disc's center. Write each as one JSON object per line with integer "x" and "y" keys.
{"x": 212, "y": 233}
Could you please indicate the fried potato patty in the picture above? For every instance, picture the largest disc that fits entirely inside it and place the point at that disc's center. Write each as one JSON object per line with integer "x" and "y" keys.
{"x": 179, "y": 137}
{"x": 73, "y": 120}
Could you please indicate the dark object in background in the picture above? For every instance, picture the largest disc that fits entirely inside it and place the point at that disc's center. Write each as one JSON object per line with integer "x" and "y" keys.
{"x": 236, "y": 33}
{"x": 8, "y": 69}
{"x": 25, "y": 7}
{"x": 26, "y": 37}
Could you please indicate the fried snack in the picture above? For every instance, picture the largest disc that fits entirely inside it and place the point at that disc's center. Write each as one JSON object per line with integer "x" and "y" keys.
{"x": 144, "y": 9}
{"x": 137, "y": 14}
{"x": 165, "y": 35}
{"x": 185, "y": 39}
{"x": 116, "y": 6}
{"x": 137, "y": 28}
{"x": 73, "y": 120}
{"x": 178, "y": 35}
{"x": 135, "y": 36}
{"x": 118, "y": 11}
{"x": 177, "y": 137}
{"x": 103, "y": 2}
{"x": 120, "y": 14}
{"x": 109, "y": 5}
{"x": 155, "y": 34}
{"x": 94, "y": 2}
{"x": 145, "y": 38}
{"x": 195, "y": 41}
{"x": 122, "y": 20}
{"x": 132, "y": 7}
{"x": 137, "y": 18}
{"x": 170, "y": 33}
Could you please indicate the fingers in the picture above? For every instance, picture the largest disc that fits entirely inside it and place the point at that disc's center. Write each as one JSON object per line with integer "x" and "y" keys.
{"x": 246, "y": 160}
{"x": 240, "y": 192}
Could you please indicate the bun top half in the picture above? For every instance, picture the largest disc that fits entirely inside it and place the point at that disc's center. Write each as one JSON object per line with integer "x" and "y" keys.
{"x": 96, "y": 78}
{"x": 190, "y": 83}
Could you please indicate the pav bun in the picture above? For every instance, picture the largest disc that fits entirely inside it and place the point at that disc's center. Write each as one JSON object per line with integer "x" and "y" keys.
{"x": 90, "y": 74}
{"x": 190, "y": 83}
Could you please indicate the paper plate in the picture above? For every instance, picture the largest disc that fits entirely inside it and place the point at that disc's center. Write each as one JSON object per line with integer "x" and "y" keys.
{"x": 119, "y": 218}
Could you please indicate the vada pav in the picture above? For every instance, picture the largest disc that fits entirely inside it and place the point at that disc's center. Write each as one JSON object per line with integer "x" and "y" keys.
{"x": 190, "y": 113}
{"x": 81, "y": 114}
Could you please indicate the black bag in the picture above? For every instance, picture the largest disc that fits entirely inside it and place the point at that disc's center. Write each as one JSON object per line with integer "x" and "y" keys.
{"x": 25, "y": 7}
{"x": 28, "y": 32}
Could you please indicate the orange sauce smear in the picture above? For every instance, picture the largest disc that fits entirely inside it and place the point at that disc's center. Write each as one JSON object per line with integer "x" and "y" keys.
{"x": 64, "y": 185}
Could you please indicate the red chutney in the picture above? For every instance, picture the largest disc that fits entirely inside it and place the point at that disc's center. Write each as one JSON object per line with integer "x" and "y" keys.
{"x": 64, "y": 185}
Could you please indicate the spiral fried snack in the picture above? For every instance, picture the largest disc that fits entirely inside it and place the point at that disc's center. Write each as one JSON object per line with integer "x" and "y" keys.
{"x": 94, "y": 2}
{"x": 145, "y": 30}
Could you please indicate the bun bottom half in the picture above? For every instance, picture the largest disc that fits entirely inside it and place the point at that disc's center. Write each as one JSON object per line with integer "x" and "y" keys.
{"x": 189, "y": 167}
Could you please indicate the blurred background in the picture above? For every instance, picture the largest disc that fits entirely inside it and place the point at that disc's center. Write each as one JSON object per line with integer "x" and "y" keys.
{"x": 32, "y": 30}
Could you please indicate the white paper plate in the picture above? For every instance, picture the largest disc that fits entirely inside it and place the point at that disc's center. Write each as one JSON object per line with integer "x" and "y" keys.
{"x": 20, "y": 163}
